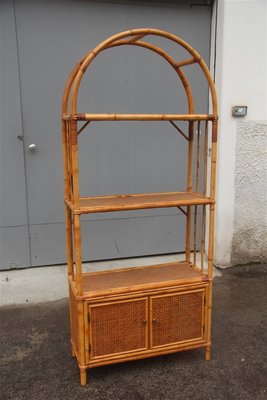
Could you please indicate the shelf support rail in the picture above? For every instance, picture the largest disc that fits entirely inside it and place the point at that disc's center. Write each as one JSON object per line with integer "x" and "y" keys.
{"x": 179, "y": 130}
{"x": 182, "y": 210}
{"x": 83, "y": 127}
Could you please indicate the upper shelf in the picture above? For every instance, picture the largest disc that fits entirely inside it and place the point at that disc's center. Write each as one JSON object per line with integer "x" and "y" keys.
{"x": 124, "y": 202}
{"x": 139, "y": 117}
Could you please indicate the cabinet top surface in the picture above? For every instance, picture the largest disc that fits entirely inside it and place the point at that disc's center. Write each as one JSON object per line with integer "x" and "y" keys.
{"x": 140, "y": 278}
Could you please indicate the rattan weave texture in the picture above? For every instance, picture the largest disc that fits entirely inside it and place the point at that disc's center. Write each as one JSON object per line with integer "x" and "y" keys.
{"x": 177, "y": 318}
{"x": 134, "y": 277}
{"x": 118, "y": 327}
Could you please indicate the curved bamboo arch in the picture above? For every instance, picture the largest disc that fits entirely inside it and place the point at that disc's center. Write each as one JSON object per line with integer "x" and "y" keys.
{"x": 134, "y": 38}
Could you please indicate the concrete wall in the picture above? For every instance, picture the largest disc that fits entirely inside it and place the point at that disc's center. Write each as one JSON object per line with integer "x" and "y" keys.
{"x": 241, "y": 79}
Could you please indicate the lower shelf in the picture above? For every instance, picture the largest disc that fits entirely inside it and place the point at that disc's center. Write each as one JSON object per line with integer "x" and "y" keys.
{"x": 136, "y": 279}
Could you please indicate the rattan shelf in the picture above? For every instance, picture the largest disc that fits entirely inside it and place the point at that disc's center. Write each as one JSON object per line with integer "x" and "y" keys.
{"x": 134, "y": 313}
{"x": 123, "y": 202}
{"x": 132, "y": 280}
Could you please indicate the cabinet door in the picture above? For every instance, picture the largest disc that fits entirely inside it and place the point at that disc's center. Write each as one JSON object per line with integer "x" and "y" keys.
{"x": 118, "y": 327}
{"x": 177, "y": 318}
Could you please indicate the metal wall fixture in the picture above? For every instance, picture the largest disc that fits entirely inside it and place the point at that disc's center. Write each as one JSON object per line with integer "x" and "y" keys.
{"x": 239, "y": 111}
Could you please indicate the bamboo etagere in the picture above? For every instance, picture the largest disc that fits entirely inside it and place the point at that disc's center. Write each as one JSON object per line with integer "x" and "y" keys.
{"x": 134, "y": 313}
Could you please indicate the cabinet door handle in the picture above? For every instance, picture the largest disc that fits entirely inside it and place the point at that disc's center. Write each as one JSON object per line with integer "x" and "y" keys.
{"x": 144, "y": 321}
{"x": 154, "y": 320}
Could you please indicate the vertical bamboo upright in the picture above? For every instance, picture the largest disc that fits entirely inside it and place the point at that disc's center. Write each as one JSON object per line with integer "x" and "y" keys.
{"x": 125, "y": 314}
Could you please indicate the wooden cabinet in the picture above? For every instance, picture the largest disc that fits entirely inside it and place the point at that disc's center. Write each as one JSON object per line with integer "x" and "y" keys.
{"x": 141, "y": 312}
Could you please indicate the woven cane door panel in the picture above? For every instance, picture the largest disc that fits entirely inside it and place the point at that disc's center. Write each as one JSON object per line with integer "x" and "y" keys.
{"x": 177, "y": 318}
{"x": 118, "y": 327}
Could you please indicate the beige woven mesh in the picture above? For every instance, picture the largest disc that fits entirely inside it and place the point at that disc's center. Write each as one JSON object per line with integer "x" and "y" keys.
{"x": 177, "y": 318}
{"x": 118, "y": 327}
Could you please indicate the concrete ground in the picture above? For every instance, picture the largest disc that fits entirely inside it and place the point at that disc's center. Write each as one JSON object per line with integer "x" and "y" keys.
{"x": 36, "y": 361}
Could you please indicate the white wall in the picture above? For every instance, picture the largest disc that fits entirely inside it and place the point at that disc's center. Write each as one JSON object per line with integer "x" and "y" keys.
{"x": 241, "y": 79}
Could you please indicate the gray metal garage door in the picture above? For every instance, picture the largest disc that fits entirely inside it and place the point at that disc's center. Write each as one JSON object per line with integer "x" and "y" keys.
{"x": 42, "y": 41}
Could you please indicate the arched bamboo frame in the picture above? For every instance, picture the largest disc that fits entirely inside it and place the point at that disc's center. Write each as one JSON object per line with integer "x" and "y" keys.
{"x": 70, "y": 132}
{"x": 134, "y": 38}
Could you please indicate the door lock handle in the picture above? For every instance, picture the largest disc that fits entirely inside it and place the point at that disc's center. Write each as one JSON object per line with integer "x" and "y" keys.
{"x": 32, "y": 147}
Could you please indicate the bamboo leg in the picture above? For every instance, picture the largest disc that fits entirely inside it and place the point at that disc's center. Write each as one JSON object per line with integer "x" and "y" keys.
{"x": 208, "y": 353}
{"x": 81, "y": 342}
{"x": 80, "y": 304}
{"x": 208, "y": 323}
{"x": 73, "y": 352}
{"x": 70, "y": 315}
{"x": 83, "y": 377}
{"x": 70, "y": 262}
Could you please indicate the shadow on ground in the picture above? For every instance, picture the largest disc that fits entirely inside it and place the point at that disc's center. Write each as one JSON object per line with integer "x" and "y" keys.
{"x": 36, "y": 361}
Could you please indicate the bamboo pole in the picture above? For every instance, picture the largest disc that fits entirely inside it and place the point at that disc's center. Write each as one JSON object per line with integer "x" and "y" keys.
{"x": 67, "y": 196}
{"x": 65, "y": 158}
{"x": 81, "y": 343}
{"x": 203, "y": 234}
{"x": 69, "y": 243}
{"x": 69, "y": 164}
{"x": 138, "y": 117}
{"x": 208, "y": 335}
{"x": 183, "y": 63}
{"x": 196, "y": 189}
{"x": 198, "y": 155}
{"x": 212, "y": 196}
{"x": 211, "y": 233}
{"x": 76, "y": 202}
{"x": 75, "y": 163}
{"x": 78, "y": 255}
{"x": 189, "y": 189}
{"x": 68, "y": 85}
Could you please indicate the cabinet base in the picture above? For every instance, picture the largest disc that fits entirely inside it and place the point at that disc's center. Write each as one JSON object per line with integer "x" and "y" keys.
{"x": 140, "y": 324}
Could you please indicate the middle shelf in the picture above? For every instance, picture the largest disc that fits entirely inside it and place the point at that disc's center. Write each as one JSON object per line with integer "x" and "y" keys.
{"x": 123, "y": 202}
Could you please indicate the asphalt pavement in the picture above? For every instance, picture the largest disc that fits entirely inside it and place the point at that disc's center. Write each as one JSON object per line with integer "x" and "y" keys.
{"x": 36, "y": 363}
